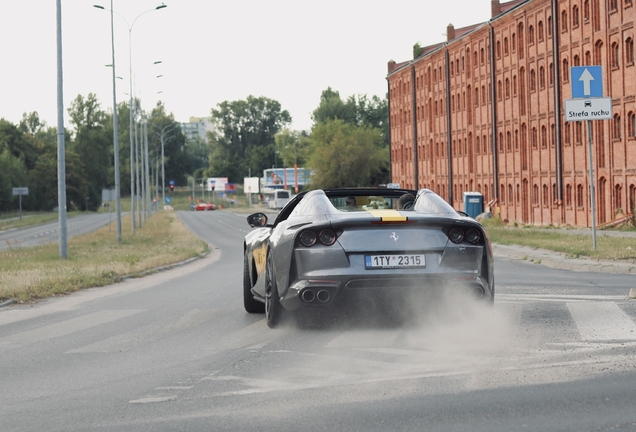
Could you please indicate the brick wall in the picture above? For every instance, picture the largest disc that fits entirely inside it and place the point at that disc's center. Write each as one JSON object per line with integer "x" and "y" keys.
{"x": 487, "y": 107}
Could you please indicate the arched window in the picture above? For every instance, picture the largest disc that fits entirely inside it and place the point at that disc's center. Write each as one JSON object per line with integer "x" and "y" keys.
{"x": 629, "y": 51}
{"x": 588, "y": 58}
{"x": 483, "y": 95}
{"x": 568, "y": 195}
{"x": 576, "y": 61}
{"x": 631, "y": 124}
{"x": 502, "y": 194}
{"x": 618, "y": 197}
{"x": 530, "y": 35}
{"x": 598, "y": 52}
{"x": 533, "y": 80}
{"x": 541, "y": 77}
{"x": 549, "y": 26}
{"x": 579, "y": 196}
{"x": 505, "y": 46}
{"x": 508, "y": 141}
{"x": 481, "y": 56}
{"x": 535, "y": 194}
{"x": 514, "y": 85}
{"x": 615, "y": 55}
{"x": 510, "y": 194}
{"x": 498, "y": 49}
{"x": 540, "y": 31}
{"x": 533, "y": 138}
{"x": 477, "y": 145}
{"x": 545, "y": 195}
{"x": 544, "y": 137}
{"x": 499, "y": 90}
{"x": 575, "y": 16}
{"x": 616, "y": 127}
{"x": 507, "y": 88}
{"x": 586, "y": 11}
{"x": 566, "y": 71}
{"x": 564, "y": 21}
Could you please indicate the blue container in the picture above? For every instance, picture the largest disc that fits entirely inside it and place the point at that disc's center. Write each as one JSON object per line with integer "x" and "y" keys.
{"x": 473, "y": 204}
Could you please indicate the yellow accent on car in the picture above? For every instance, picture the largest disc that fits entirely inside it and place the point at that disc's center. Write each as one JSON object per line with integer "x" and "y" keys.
{"x": 388, "y": 215}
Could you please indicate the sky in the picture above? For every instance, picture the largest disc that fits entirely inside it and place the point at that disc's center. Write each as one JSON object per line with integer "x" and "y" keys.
{"x": 213, "y": 51}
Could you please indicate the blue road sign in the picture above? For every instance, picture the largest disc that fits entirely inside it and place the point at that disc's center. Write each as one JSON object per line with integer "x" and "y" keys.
{"x": 168, "y": 200}
{"x": 587, "y": 81}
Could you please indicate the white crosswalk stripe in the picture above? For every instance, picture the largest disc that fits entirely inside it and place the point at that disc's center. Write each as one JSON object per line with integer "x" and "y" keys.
{"x": 602, "y": 321}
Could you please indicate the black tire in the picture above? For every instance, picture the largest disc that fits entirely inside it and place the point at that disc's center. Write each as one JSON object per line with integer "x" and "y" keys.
{"x": 273, "y": 308}
{"x": 251, "y": 305}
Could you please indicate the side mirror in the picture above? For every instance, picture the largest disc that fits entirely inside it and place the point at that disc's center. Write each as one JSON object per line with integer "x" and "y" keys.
{"x": 257, "y": 220}
{"x": 461, "y": 213}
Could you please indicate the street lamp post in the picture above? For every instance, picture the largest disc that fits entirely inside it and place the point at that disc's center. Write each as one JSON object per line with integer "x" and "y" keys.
{"x": 132, "y": 155}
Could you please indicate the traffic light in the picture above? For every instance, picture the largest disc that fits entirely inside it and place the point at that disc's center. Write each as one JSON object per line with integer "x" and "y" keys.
{"x": 171, "y": 187}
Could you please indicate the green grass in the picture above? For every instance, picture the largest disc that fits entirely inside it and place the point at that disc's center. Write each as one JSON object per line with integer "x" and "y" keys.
{"x": 573, "y": 245}
{"x": 96, "y": 259}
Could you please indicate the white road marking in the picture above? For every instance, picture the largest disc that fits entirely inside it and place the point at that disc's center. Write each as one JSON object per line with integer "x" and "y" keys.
{"x": 64, "y": 328}
{"x": 362, "y": 339}
{"x": 126, "y": 341}
{"x": 602, "y": 321}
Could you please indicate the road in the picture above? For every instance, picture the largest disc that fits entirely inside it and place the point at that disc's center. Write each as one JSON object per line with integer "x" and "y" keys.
{"x": 50, "y": 233}
{"x": 175, "y": 351}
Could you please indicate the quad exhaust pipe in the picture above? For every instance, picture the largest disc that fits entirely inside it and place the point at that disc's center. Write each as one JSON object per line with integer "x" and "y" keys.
{"x": 309, "y": 296}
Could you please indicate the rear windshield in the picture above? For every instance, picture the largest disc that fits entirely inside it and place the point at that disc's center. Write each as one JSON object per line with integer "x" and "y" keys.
{"x": 282, "y": 194}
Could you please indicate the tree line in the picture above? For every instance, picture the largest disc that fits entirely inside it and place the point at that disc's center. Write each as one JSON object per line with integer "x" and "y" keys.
{"x": 348, "y": 145}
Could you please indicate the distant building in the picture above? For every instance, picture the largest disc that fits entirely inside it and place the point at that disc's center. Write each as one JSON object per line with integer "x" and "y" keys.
{"x": 484, "y": 111}
{"x": 197, "y": 127}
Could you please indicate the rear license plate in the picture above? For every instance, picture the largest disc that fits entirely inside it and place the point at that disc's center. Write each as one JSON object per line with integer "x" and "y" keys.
{"x": 394, "y": 261}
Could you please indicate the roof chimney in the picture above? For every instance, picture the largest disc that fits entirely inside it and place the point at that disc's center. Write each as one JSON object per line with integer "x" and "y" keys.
{"x": 495, "y": 8}
{"x": 391, "y": 66}
{"x": 450, "y": 32}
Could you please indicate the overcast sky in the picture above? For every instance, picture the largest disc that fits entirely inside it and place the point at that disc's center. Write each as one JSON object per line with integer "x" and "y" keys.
{"x": 212, "y": 51}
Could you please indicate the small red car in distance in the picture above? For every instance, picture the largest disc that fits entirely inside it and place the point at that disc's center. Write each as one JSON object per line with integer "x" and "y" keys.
{"x": 201, "y": 206}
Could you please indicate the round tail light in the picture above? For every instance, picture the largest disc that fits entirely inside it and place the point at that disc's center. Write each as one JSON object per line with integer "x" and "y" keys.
{"x": 473, "y": 236}
{"x": 327, "y": 237}
{"x": 456, "y": 235}
{"x": 307, "y": 238}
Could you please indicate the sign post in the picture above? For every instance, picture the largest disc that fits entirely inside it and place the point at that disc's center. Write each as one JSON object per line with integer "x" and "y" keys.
{"x": 588, "y": 104}
{"x": 20, "y": 191}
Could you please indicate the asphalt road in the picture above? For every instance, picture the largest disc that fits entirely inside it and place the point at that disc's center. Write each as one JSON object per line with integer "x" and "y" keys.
{"x": 175, "y": 351}
{"x": 50, "y": 233}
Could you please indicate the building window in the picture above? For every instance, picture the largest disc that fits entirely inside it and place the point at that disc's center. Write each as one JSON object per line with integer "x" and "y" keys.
{"x": 533, "y": 138}
{"x": 550, "y": 27}
{"x": 616, "y": 127}
{"x": 544, "y": 137}
{"x": 568, "y": 195}
{"x": 514, "y": 85}
{"x": 586, "y": 11}
{"x": 566, "y": 71}
{"x": 545, "y": 195}
{"x": 618, "y": 197}
{"x": 578, "y": 132}
{"x": 579, "y": 196}
{"x": 542, "y": 77}
{"x": 576, "y": 61}
{"x": 510, "y": 194}
{"x": 613, "y": 5}
{"x": 476, "y": 96}
{"x": 516, "y": 139}
{"x": 508, "y": 141}
{"x": 530, "y": 35}
{"x": 533, "y": 80}
{"x": 551, "y": 74}
{"x": 615, "y": 55}
{"x": 575, "y": 16}
{"x": 483, "y": 95}
{"x": 566, "y": 133}
{"x": 475, "y": 59}
{"x": 499, "y": 90}
{"x": 502, "y": 194}
{"x": 629, "y": 52}
{"x": 507, "y": 88}
{"x": 477, "y": 145}
{"x": 540, "y": 31}
{"x": 631, "y": 124}
{"x": 598, "y": 52}
{"x": 514, "y": 42}
{"x": 481, "y": 56}
{"x": 506, "y": 46}
{"x": 535, "y": 195}
{"x": 564, "y": 21}
{"x": 501, "y": 143}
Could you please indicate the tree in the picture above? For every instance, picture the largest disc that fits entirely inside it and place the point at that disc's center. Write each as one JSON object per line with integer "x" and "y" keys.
{"x": 345, "y": 155}
{"x": 245, "y": 138}
{"x": 92, "y": 143}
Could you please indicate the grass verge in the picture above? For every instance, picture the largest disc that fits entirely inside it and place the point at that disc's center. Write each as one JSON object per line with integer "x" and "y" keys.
{"x": 96, "y": 259}
{"x": 572, "y": 245}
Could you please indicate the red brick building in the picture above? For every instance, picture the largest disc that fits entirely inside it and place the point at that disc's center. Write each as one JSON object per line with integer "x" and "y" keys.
{"x": 483, "y": 112}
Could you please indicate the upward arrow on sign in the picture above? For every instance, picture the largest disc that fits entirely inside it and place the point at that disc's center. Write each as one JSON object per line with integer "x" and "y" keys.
{"x": 587, "y": 79}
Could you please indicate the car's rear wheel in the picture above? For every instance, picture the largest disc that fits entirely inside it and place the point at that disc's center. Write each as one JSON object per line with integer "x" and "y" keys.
{"x": 273, "y": 308}
{"x": 251, "y": 305}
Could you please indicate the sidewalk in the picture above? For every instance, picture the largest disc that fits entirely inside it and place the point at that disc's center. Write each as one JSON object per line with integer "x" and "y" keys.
{"x": 558, "y": 260}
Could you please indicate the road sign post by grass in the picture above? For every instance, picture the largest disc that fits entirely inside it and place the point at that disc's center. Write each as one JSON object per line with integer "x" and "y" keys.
{"x": 588, "y": 104}
{"x": 20, "y": 191}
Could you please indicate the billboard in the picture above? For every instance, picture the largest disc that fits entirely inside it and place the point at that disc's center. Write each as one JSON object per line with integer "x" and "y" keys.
{"x": 250, "y": 185}
{"x": 212, "y": 182}
{"x": 279, "y": 177}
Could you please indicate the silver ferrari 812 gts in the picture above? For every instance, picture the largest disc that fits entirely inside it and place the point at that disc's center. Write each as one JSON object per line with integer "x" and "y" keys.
{"x": 326, "y": 247}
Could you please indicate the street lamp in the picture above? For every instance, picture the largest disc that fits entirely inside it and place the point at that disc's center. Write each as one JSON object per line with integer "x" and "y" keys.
{"x": 130, "y": 28}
